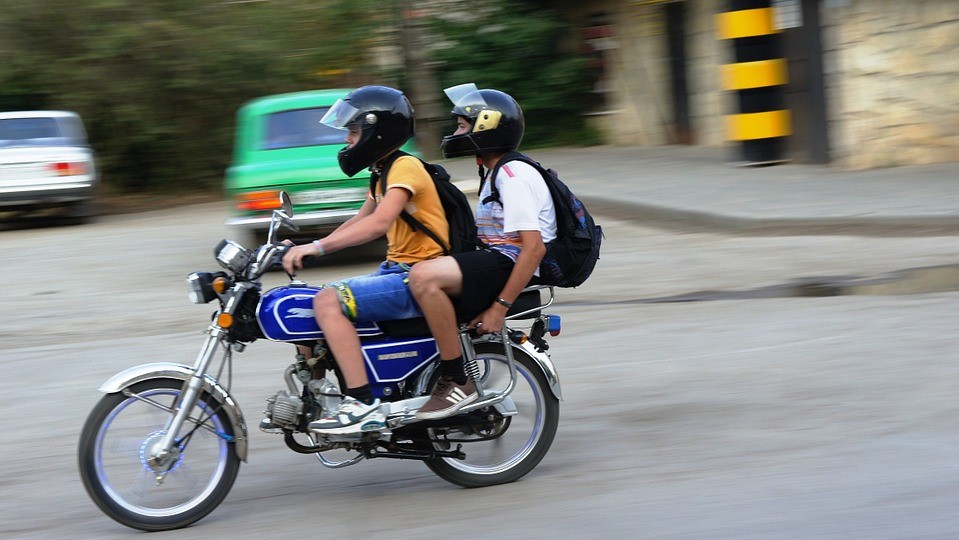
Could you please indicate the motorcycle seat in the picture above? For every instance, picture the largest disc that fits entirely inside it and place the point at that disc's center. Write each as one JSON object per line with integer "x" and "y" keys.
{"x": 526, "y": 301}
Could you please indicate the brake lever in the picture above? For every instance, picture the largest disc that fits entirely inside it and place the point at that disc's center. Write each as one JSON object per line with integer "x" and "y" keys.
{"x": 281, "y": 249}
{"x": 277, "y": 258}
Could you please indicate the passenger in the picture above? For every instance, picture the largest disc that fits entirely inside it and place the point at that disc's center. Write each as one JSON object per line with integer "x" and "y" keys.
{"x": 379, "y": 120}
{"x": 480, "y": 286}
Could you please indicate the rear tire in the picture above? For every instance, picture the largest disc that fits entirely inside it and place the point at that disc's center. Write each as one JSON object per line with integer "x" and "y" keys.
{"x": 118, "y": 479}
{"x": 80, "y": 212}
{"x": 525, "y": 438}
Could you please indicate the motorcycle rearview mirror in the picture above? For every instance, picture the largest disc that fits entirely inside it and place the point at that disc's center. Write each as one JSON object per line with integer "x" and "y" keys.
{"x": 282, "y": 216}
{"x": 287, "y": 215}
{"x": 286, "y": 203}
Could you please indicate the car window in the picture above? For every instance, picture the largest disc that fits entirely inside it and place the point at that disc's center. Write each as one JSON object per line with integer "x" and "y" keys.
{"x": 41, "y": 131}
{"x": 72, "y": 128}
{"x": 301, "y": 127}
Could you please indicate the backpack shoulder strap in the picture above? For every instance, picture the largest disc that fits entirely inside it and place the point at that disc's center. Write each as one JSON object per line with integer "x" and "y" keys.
{"x": 562, "y": 218}
{"x": 413, "y": 223}
{"x": 384, "y": 170}
{"x": 512, "y": 155}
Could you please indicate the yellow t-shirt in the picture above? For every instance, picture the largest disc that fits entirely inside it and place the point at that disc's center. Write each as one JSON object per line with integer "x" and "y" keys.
{"x": 405, "y": 245}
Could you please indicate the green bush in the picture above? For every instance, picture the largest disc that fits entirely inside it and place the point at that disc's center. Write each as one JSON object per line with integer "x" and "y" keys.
{"x": 519, "y": 47}
{"x": 158, "y": 83}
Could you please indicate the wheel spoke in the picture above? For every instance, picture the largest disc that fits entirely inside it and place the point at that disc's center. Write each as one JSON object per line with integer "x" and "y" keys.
{"x": 141, "y": 483}
{"x": 183, "y": 477}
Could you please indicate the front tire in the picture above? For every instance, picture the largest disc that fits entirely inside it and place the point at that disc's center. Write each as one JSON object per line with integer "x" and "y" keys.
{"x": 117, "y": 476}
{"x": 520, "y": 442}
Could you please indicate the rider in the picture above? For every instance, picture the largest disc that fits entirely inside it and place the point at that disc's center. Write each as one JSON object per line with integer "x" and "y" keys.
{"x": 379, "y": 120}
{"x": 480, "y": 286}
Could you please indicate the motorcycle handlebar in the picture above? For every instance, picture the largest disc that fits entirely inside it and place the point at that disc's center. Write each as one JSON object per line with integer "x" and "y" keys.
{"x": 281, "y": 249}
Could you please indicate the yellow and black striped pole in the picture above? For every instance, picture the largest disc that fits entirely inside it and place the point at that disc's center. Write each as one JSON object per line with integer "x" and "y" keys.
{"x": 758, "y": 76}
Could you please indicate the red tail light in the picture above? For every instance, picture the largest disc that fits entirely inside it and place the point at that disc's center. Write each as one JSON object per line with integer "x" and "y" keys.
{"x": 65, "y": 168}
{"x": 258, "y": 201}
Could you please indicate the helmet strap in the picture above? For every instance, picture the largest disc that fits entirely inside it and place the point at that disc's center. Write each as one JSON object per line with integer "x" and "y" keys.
{"x": 482, "y": 173}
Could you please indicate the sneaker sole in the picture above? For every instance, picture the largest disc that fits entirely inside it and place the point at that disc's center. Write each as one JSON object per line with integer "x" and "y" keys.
{"x": 449, "y": 411}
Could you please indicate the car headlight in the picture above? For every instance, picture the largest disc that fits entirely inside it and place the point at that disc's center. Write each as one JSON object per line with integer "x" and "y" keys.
{"x": 232, "y": 256}
{"x": 203, "y": 285}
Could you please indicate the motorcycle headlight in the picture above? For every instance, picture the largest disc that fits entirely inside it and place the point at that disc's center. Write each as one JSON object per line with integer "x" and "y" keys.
{"x": 201, "y": 286}
{"x": 232, "y": 256}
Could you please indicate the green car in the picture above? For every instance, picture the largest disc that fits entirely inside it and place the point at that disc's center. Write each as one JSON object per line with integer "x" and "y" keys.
{"x": 282, "y": 146}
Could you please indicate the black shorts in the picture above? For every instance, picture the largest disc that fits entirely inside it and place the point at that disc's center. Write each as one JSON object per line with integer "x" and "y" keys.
{"x": 485, "y": 273}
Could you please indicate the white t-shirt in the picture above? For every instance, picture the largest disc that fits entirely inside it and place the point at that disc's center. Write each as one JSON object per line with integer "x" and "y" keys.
{"x": 526, "y": 206}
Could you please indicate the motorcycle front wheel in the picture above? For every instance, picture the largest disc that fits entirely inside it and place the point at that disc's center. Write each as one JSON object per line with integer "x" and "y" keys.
{"x": 507, "y": 448}
{"x": 114, "y": 447}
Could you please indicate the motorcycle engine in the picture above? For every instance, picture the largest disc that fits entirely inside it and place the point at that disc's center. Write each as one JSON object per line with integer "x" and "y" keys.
{"x": 284, "y": 410}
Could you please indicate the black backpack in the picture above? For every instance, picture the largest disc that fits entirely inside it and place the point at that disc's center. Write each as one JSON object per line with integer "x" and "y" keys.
{"x": 572, "y": 255}
{"x": 459, "y": 215}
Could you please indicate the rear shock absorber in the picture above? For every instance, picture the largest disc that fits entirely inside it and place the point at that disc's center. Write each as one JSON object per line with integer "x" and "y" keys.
{"x": 469, "y": 360}
{"x": 472, "y": 369}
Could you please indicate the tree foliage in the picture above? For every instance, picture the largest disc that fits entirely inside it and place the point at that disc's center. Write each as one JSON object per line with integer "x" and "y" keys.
{"x": 524, "y": 48}
{"x": 158, "y": 83}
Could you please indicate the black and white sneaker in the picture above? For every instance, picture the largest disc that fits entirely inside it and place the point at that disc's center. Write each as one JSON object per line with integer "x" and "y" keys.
{"x": 448, "y": 397}
{"x": 351, "y": 416}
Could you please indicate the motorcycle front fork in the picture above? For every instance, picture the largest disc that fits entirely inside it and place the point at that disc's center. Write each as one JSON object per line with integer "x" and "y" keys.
{"x": 161, "y": 452}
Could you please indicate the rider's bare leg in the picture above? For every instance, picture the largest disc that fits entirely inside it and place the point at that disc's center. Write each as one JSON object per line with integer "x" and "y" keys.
{"x": 432, "y": 283}
{"x": 341, "y": 337}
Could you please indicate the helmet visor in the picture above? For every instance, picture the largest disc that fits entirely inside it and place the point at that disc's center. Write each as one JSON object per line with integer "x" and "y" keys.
{"x": 466, "y": 98}
{"x": 340, "y": 115}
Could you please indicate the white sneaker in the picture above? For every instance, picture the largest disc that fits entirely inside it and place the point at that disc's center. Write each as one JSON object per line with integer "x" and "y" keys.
{"x": 351, "y": 416}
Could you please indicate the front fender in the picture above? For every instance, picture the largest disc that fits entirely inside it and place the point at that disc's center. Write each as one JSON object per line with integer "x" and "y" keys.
{"x": 169, "y": 370}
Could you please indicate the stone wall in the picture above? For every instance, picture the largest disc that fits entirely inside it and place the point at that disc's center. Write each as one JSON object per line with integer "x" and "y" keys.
{"x": 635, "y": 76}
{"x": 892, "y": 72}
{"x": 708, "y": 101}
{"x": 639, "y": 98}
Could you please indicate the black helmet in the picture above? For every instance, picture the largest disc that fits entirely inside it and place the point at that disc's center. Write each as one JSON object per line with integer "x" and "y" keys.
{"x": 496, "y": 118}
{"x": 385, "y": 118}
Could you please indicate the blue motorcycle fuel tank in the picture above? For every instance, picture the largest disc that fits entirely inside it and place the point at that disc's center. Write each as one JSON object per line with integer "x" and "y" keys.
{"x": 286, "y": 314}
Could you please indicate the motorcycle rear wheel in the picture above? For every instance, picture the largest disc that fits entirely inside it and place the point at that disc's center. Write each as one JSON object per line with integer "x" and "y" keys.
{"x": 116, "y": 475}
{"x": 523, "y": 440}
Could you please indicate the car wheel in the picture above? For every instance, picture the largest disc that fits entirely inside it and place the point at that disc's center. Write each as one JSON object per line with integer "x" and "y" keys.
{"x": 81, "y": 212}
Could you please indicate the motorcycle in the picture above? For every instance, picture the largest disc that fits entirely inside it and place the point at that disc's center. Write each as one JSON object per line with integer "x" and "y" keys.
{"x": 163, "y": 446}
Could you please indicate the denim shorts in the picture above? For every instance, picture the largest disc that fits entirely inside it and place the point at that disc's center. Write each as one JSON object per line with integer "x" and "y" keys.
{"x": 382, "y": 295}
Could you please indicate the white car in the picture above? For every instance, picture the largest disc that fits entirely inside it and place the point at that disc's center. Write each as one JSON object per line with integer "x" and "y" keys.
{"x": 46, "y": 164}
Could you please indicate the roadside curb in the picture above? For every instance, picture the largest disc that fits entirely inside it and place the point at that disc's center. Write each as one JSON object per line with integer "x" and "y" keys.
{"x": 675, "y": 218}
{"x": 669, "y": 217}
{"x": 924, "y": 280}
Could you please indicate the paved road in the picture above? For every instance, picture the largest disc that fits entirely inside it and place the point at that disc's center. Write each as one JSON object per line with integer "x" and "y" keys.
{"x": 737, "y": 418}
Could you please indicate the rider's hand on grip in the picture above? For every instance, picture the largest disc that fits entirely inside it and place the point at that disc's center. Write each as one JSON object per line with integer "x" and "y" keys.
{"x": 293, "y": 258}
{"x": 281, "y": 249}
